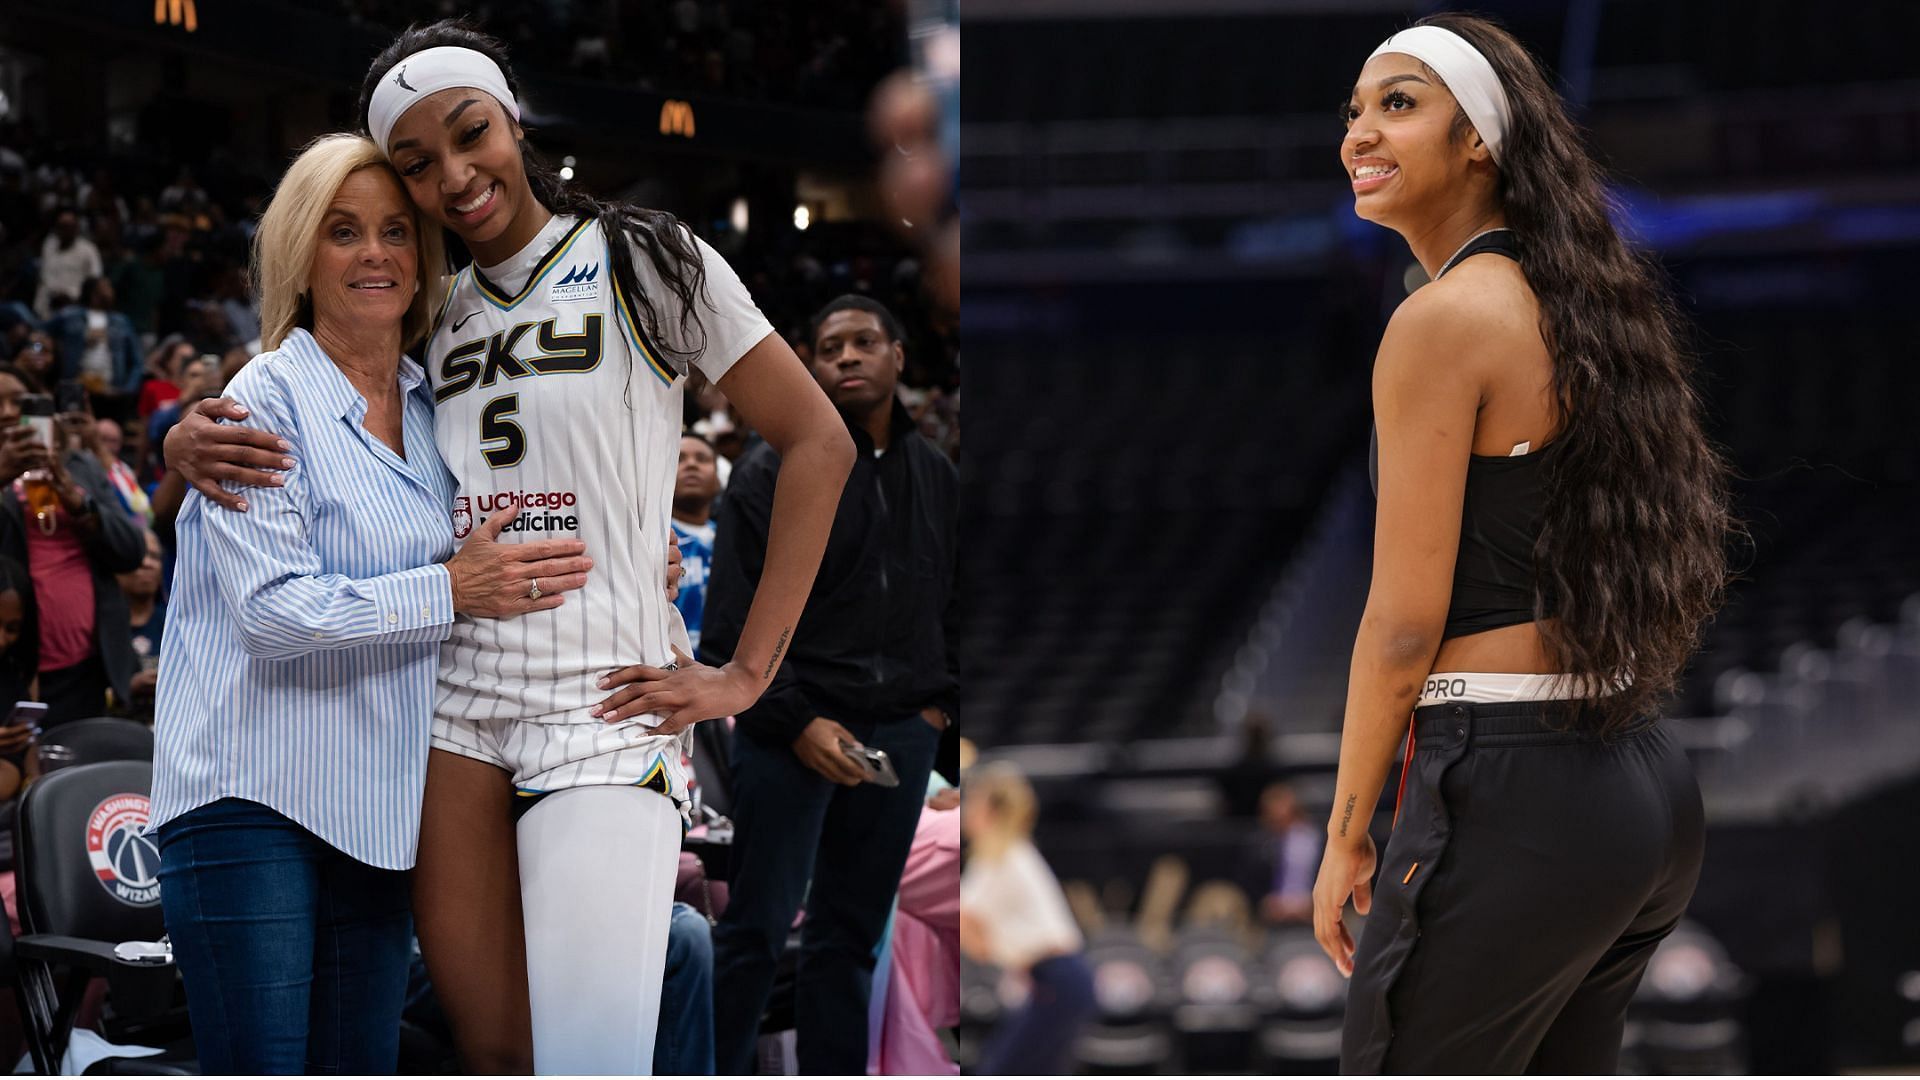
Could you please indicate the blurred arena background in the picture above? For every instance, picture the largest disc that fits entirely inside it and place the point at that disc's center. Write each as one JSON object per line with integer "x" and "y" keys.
{"x": 1168, "y": 519}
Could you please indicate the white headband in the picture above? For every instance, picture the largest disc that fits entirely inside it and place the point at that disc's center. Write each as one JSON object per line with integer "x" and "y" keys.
{"x": 1466, "y": 73}
{"x": 430, "y": 71}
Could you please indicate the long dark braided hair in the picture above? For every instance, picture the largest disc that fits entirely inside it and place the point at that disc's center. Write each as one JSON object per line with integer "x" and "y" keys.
{"x": 667, "y": 242}
{"x": 1632, "y": 553}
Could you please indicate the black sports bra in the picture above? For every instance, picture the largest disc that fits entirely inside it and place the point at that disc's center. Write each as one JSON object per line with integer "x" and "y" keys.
{"x": 1499, "y": 518}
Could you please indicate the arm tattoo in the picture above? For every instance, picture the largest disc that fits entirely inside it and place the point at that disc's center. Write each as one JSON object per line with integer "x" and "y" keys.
{"x": 1347, "y": 814}
{"x": 778, "y": 646}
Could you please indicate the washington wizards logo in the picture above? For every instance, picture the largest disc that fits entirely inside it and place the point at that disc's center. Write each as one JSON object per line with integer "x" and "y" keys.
{"x": 126, "y": 862}
{"x": 400, "y": 80}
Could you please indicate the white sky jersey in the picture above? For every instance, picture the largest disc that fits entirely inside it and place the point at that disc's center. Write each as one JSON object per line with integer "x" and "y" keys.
{"x": 546, "y": 387}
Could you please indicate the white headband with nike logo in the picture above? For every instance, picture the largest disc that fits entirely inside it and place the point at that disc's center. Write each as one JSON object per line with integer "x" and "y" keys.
{"x": 430, "y": 71}
{"x": 1466, "y": 73}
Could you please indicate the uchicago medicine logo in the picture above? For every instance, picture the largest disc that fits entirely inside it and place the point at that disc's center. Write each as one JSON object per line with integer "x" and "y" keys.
{"x": 534, "y": 511}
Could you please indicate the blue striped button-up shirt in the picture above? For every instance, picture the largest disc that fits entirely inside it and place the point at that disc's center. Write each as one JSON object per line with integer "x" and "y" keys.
{"x": 303, "y": 638}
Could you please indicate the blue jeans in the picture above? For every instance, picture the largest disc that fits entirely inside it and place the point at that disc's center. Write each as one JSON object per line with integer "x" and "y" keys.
{"x": 793, "y": 826}
{"x": 1038, "y": 1038}
{"x": 684, "y": 1044}
{"x": 293, "y": 954}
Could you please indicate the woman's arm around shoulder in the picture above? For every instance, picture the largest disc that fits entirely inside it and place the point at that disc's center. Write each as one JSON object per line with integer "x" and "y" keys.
{"x": 283, "y": 601}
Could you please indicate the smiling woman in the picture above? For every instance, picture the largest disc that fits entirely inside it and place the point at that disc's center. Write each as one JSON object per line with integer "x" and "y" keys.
{"x": 353, "y": 195}
{"x": 286, "y": 820}
{"x": 1548, "y": 540}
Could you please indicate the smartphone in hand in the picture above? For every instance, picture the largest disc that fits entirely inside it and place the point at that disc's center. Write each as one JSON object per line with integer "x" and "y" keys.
{"x": 874, "y": 763}
{"x": 30, "y": 713}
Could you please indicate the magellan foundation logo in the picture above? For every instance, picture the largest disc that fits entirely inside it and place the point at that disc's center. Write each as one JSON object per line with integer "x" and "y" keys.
{"x": 580, "y": 283}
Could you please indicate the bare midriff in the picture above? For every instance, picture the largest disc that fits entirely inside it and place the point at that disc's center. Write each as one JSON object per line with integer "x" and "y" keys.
{"x": 1516, "y": 650}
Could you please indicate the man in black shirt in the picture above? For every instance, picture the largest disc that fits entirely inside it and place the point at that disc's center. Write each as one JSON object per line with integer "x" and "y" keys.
{"x": 872, "y": 664}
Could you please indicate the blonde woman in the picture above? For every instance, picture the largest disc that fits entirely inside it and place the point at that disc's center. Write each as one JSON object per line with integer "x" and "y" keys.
{"x": 298, "y": 671}
{"x": 1014, "y": 917}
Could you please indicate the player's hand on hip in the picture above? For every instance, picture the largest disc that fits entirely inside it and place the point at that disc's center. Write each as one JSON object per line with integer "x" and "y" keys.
{"x": 1346, "y": 869}
{"x": 680, "y": 697}
{"x": 208, "y": 453}
{"x": 492, "y": 580}
{"x": 820, "y": 748}
{"x": 675, "y": 568}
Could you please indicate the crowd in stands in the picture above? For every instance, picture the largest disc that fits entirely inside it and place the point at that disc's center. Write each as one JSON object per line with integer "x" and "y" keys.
{"x": 824, "y": 54}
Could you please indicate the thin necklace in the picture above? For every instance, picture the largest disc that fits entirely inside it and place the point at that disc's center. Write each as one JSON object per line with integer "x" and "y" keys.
{"x": 1448, "y": 265}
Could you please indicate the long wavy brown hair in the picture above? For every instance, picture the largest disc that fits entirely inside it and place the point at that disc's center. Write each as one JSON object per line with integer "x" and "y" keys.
{"x": 1632, "y": 555}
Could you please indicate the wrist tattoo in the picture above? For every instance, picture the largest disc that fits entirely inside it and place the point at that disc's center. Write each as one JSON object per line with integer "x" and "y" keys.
{"x": 1346, "y": 815}
{"x": 778, "y": 647}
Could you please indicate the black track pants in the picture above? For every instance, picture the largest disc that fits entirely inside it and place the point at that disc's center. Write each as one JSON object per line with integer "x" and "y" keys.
{"x": 1530, "y": 875}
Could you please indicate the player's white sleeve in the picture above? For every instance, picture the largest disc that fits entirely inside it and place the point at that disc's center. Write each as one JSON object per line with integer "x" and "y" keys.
{"x": 733, "y": 323}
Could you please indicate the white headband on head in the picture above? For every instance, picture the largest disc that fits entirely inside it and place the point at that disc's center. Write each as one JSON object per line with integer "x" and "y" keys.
{"x": 430, "y": 71}
{"x": 1466, "y": 73}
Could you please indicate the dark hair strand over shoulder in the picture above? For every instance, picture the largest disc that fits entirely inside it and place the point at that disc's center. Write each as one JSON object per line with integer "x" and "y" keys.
{"x": 1632, "y": 555}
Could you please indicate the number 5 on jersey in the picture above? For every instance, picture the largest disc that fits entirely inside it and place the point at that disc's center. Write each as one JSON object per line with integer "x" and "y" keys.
{"x": 496, "y": 428}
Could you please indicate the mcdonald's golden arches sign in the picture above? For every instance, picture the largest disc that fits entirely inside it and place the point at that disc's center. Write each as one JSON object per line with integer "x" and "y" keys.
{"x": 676, "y": 118}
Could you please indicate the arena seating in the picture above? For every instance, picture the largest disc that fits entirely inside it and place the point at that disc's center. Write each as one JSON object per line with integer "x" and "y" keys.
{"x": 73, "y": 923}
{"x": 1147, "y": 504}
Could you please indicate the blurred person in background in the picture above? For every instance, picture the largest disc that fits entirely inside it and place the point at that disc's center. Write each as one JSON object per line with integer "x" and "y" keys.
{"x": 138, "y": 281}
{"x": 109, "y": 443}
{"x": 696, "y": 486}
{"x": 67, "y": 260}
{"x": 147, "y": 621}
{"x": 230, "y": 365}
{"x": 237, "y": 308}
{"x": 98, "y": 345}
{"x": 1014, "y": 916}
{"x": 1282, "y": 861}
{"x": 208, "y": 328}
{"x": 921, "y": 992}
{"x": 916, "y": 175}
{"x": 72, "y": 545}
{"x": 199, "y": 381}
{"x": 872, "y": 664}
{"x": 16, "y": 619}
{"x": 16, "y": 674}
{"x": 37, "y": 362}
{"x": 163, "y": 375}
{"x": 683, "y": 1040}
{"x": 1550, "y": 536}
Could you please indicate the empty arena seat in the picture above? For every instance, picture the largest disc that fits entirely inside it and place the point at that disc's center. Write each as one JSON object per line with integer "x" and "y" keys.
{"x": 103, "y": 738}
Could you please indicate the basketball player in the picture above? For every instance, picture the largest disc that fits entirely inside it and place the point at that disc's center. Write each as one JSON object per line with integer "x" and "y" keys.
{"x": 557, "y": 367}
{"x": 1548, "y": 542}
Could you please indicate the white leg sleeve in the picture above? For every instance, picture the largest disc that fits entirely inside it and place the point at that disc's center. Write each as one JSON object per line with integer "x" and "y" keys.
{"x": 597, "y": 868}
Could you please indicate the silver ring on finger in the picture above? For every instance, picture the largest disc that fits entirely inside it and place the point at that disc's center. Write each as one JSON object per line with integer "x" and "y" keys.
{"x": 533, "y": 593}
